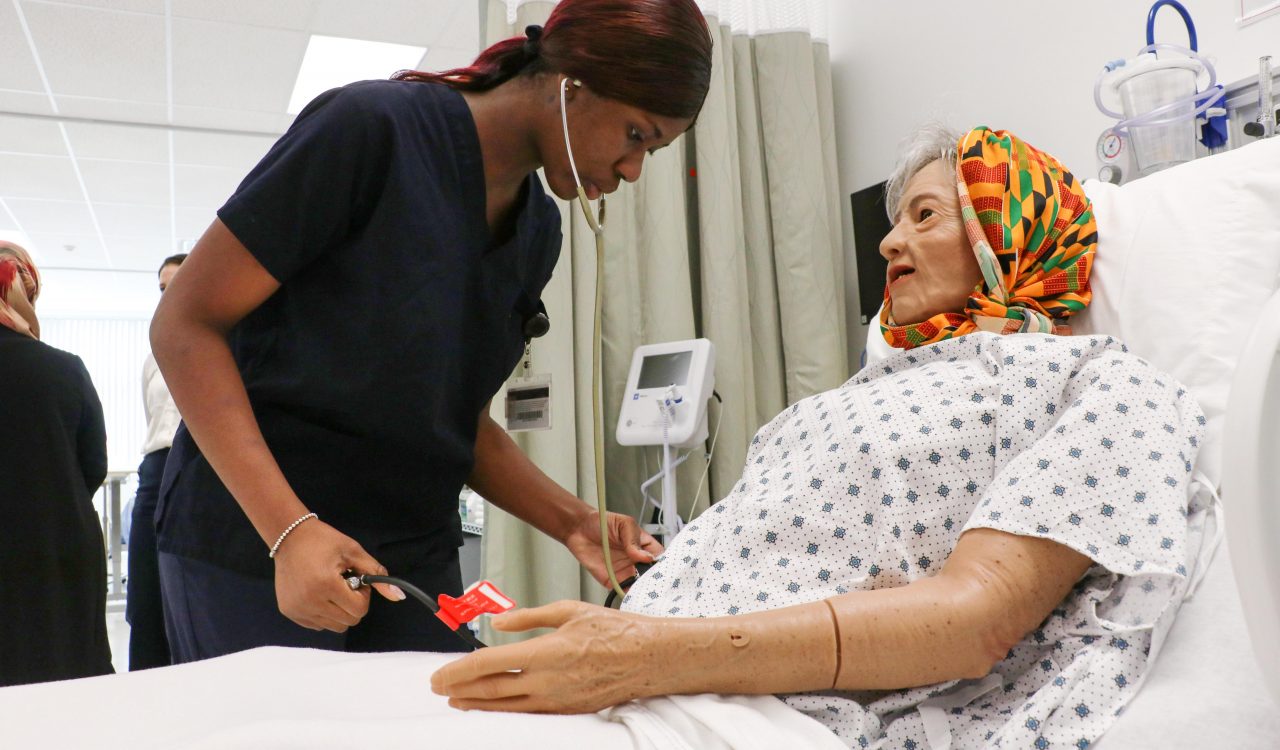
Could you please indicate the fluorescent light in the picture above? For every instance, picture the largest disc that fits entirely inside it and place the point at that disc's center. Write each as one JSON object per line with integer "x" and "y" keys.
{"x": 332, "y": 61}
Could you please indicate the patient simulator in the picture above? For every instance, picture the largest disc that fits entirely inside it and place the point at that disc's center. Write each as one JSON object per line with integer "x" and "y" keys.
{"x": 984, "y": 535}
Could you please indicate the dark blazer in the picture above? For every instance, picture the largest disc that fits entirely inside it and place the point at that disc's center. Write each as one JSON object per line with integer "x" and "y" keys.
{"x": 53, "y": 458}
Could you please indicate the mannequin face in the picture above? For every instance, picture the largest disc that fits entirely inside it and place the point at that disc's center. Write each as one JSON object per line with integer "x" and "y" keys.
{"x": 610, "y": 140}
{"x": 932, "y": 268}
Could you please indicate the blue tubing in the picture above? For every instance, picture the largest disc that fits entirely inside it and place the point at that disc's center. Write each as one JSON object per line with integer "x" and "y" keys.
{"x": 1182, "y": 11}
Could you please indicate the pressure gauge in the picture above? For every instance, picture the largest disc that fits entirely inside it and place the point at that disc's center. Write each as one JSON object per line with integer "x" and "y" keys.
{"x": 1110, "y": 146}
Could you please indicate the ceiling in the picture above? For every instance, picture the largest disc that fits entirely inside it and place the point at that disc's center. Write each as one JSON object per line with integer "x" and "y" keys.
{"x": 125, "y": 124}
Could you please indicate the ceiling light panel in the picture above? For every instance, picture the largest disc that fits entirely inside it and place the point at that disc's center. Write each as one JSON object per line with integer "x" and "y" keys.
{"x": 332, "y": 61}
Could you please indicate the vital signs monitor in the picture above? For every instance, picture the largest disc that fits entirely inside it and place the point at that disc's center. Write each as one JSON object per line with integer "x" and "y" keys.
{"x": 665, "y": 402}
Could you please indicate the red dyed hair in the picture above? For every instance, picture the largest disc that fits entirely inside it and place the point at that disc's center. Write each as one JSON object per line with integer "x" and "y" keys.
{"x": 651, "y": 54}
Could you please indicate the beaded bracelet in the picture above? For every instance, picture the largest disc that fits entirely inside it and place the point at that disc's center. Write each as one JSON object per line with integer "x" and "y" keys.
{"x": 276, "y": 547}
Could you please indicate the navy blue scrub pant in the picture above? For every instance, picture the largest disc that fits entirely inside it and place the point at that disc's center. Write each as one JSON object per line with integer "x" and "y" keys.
{"x": 211, "y": 611}
{"x": 148, "y": 646}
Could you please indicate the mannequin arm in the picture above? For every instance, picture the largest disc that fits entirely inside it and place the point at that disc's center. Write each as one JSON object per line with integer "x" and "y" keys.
{"x": 995, "y": 588}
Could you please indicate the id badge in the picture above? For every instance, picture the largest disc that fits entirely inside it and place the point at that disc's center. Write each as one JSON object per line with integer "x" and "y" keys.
{"x": 529, "y": 404}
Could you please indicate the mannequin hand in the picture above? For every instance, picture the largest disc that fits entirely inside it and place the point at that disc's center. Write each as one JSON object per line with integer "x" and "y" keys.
{"x": 628, "y": 545}
{"x": 596, "y": 658}
{"x": 310, "y": 588}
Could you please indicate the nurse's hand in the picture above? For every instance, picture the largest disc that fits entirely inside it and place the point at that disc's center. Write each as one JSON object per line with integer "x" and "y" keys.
{"x": 310, "y": 588}
{"x": 596, "y": 658}
{"x": 628, "y": 545}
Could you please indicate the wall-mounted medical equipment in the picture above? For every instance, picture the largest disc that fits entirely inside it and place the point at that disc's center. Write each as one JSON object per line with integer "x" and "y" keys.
{"x": 1173, "y": 110}
{"x": 665, "y": 404}
{"x": 1161, "y": 102}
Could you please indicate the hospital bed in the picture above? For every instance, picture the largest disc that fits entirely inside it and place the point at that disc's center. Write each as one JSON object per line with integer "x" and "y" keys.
{"x": 1187, "y": 274}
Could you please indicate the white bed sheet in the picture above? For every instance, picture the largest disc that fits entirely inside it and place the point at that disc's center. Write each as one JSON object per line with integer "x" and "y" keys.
{"x": 285, "y": 698}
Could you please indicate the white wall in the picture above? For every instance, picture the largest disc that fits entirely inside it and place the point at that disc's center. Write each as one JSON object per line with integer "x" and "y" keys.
{"x": 1022, "y": 65}
{"x": 81, "y": 294}
{"x": 103, "y": 317}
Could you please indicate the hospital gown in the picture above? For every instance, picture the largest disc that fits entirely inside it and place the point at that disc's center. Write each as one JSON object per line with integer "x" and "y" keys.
{"x": 870, "y": 485}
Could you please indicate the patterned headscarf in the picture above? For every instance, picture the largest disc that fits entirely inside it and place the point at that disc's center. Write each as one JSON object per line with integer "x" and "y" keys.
{"x": 1032, "y": 230}
{"x": 19, "y": 287}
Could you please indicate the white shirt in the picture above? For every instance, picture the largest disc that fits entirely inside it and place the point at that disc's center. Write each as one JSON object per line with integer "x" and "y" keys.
{"x": 162, "y": 413}
{"x": 870, "y": 485}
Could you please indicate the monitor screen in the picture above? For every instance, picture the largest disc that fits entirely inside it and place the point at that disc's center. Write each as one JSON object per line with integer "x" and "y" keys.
{"x": 662, "y": 370}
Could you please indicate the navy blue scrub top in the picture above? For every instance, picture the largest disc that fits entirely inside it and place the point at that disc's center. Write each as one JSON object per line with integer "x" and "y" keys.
{"x": 397, "y": 319}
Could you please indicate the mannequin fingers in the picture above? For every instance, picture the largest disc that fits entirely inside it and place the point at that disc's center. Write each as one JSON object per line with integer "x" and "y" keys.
{"x": 501, "y": 686}
{"x": 479, "y": 665}
{"x": 524, "y": 704}
{"x": 552, "y": 615}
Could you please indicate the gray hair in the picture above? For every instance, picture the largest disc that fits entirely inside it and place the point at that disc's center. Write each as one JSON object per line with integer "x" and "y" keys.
{"x": 925, "y": 145}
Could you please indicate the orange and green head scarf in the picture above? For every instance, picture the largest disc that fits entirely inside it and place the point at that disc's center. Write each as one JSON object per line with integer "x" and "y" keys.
{"x": 1032, "y": 230}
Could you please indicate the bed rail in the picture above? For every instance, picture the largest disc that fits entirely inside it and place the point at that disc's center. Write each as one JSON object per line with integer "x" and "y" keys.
{"x": 1251, "y": 487}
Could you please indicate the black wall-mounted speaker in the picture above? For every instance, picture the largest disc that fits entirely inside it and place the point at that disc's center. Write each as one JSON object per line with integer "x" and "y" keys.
{"x": 870, "y": 225}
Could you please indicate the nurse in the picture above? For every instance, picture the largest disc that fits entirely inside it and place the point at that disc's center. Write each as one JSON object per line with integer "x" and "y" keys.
{"x": 337, "y": 334}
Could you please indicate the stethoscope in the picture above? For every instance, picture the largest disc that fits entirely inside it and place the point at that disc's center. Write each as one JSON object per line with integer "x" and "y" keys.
{"x": 596, "y": 222}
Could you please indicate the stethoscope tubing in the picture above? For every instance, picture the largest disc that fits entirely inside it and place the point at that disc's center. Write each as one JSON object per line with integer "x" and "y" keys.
{"x": 597, "y": 228}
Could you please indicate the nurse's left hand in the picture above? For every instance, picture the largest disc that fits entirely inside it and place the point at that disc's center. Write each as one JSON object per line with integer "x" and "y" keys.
{"x": 628, "y": 545}
{"x": 596, "y": 658}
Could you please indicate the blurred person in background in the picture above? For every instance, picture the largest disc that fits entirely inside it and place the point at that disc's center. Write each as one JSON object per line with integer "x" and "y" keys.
{"x": 148, "y": 646}
{"x": 53, "y": 458}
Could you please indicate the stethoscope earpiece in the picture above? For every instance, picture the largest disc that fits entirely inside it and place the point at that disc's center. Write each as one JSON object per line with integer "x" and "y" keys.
{"x": 596, "y": 222}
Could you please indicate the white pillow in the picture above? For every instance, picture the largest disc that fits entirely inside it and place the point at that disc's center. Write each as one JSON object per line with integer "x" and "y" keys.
{"x": 877, "y": 347}
{"x": 1186, "y": 257}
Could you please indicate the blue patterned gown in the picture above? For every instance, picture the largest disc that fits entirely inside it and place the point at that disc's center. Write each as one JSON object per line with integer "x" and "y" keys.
{"x": 870, "y": 485}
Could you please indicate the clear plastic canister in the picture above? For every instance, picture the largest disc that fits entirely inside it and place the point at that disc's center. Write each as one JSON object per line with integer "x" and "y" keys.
{"x": 1173, "y": 141}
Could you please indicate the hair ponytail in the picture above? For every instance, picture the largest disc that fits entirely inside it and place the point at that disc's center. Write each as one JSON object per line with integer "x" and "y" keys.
{"x": 652, "y": 54}
{"x": 496, "y": 65}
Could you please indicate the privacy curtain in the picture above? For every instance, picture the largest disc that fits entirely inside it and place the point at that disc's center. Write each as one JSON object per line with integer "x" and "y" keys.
{"x": 732, "y": 234}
